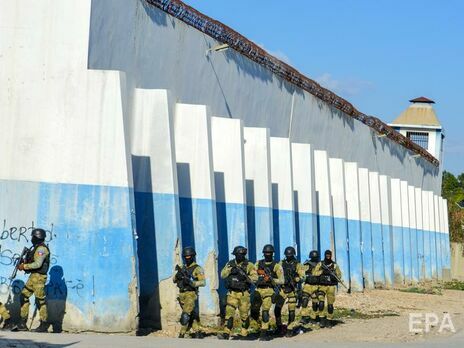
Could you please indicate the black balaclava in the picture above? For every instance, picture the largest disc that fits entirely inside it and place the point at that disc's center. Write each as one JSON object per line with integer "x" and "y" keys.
{"x": 328, "y": 257}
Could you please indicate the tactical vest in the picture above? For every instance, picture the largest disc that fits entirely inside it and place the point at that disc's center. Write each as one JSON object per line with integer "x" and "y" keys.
{"x": 183, "y": 287}
{"x": 46, "y": 263}
{"x": 261, "y": 266}
{"x": 290, "y": 275}
{"x": 310, "y": 278}
{"x": 236, "y": 281}
{"x": 326, "y": 277}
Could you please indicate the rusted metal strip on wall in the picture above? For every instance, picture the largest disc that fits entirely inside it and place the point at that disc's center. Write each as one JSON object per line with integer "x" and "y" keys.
{"x": 241, "y": 44}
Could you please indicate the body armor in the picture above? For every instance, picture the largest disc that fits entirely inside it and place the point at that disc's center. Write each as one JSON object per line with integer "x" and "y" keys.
{"x": 184, "y": 286}
{"x": 236, "y": 281}
{"x": 30, "y": 258}
{"x": 310, "y": 278}
{"x": 261, "y": 266}
{"x": 290, "y": 275}
{"x": 326, "y": 277}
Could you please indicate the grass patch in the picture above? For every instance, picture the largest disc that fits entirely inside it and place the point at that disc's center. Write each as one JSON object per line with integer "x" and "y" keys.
{"x": 454, "y": 285}
{"x": 341, "y": 313}
{"x": 425, "y": 291}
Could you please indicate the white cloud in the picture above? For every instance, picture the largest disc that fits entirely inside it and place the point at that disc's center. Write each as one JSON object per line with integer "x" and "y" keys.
{"x": 346, "y": 87}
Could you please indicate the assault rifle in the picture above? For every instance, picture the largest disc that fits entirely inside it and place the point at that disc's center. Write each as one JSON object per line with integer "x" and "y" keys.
{"x": 184, "y": 275}
{"x": 334, "y": 275}
{"x": 267, "y": 273}
{"x": 17, "y": 261}
{"x": 242, "y": 273}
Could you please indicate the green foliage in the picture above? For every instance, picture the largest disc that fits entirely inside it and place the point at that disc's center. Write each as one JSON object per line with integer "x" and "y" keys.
{"x": 454, "y": 285}
{"x": 453, "y": 191}
{"x": 420, "y": 290}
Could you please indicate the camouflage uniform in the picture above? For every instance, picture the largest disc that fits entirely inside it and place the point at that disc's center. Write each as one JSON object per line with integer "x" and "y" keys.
{"x": 328, "y": 287}
{"x": 4, "y": 312}
{"x": 238, "y": 295}
{"x": 264, "y": 293}
{"x": 311, "y": 292}
{"x": 188, "y": 295}
{"x": 37, "y": 264}
{"x": 293, "y": 273}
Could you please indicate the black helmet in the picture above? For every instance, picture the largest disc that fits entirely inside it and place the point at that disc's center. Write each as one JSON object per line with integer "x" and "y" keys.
{"x": 289, "y": 251}
{"x": 314, "y": 255}
{"x": 268, "y": 248}
{"x": 188, "y": 251}
{"x": 239, "y": 250}
{"x": 38, "y": 233}
{"x": 328, "y": 252}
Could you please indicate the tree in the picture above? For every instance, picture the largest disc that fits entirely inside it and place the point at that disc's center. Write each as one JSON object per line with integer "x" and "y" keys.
{"x": 453, "y": 191}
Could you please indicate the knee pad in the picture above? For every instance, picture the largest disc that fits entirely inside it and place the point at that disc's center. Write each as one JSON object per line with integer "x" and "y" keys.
{"x": 291, "y": 316}
{"x": 305, "y": 301}
{"x": 184, "y": 318}
{"x": 278, "y": 311}
{"x": 265, "y": 316}
{"x": 315, "y": 306}
{"x": 246, "y": 323}
{"x": 330, "y": 308}
{"x": 321, "y": 306}
{"x": 230, "y": 323}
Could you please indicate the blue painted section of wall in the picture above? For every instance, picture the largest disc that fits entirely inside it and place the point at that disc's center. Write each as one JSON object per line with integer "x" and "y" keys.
{"x": 414, "y": 255}
{"x": 388, "y": 254}
{"x": 324, "y": 233}
{"x": 89, "y": 232}
{"x": 368, "y": 266}
{"x": 356, "y": 270}
{"x": 284, "y": 231}
{"x": 398, "y": 256}
{"x": 407, "y": 261}
{"x": 198, "y": 228}
{"x": 447, "y": 251}
{"x": 304, "y": 224}
{"x": 158, "y": 233}
{"x": 439, "y": 255}
{"x": 341, "y": 247}
{"x": 259, "y": 230}
{"x": 433, "y": 253}
{"x": 420, "y": 255}
{"x": 377, "y": 253}
{"x": 427, "y": 255}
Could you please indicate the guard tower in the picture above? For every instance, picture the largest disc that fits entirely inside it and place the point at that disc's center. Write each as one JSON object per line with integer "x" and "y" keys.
{"x": 420, "y": 124}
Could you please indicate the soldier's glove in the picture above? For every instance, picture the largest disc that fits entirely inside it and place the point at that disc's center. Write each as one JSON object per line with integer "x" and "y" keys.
{"x": 21, "y": 267}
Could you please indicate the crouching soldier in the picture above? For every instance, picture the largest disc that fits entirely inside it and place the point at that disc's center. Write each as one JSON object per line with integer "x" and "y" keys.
{"x": 330, "y": 274}
{"x": 270, "y": 276}
{"x": 239, "y": 275}
{"x": 189, "y": 278}
{"x": 293, "y": 272}
{"x": 311, "y": 292}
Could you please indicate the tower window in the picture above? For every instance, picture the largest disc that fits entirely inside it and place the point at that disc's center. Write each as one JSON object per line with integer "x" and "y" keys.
{"x": 420, "y": 138}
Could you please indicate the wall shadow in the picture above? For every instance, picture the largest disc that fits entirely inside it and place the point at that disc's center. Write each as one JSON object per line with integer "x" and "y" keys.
{"x": 185, "y": 204}
{"x": 13, "y": 303}
{"x": 251, "y": 220}
{"x": 57, "y": 294}
{"x": 275, "y": 220}
{"x": 297, "y": 226}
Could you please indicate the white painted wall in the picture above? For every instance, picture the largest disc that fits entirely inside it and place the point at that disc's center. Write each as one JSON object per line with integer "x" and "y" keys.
{"x": 303, "y": 176}
{"x": 281, "y": 171}
{"x": 322, "y": 184}
{"x": 337, "y": 184}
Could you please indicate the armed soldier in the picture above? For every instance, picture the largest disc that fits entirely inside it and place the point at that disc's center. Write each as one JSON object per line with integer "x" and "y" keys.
{"x": 239, "y": 274}
{"x": 6, "y": 317}
{"x": 311, "y": 291}
{"x": 293, "y": 273}
{"x": 189, "y": 278}
{"x": 329, "y": 278}
{"x": 270, "y": 276}
{"x": 37, "y": 264}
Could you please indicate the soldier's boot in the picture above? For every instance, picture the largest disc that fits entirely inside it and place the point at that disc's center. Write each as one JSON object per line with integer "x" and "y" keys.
{"x": 199, "y": 334}
{"x": 8, "y": 325}
{"x": 21, "y": 326}
{"x": 43, "y": 327}
{"x": 223, "y": 336}
{"x": 280, "y": 329}
{"x": 323, "y": 322}
{"x": 291, "y": 331}
{"x": 305, "y": 320}
{"x": 181, "y": 335}
{"x": 264, "y": 336}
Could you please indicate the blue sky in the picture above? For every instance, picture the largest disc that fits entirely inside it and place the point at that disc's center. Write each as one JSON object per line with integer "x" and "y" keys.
{"x": 377, "y": 54}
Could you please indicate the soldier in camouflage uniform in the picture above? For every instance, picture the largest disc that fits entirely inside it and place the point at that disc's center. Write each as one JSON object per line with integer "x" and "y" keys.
{"x": 293, "y": 273}
{"x": 37, "y": 264}
{"x": 239, "y": 275}
{"x": 311, "y": 292}
{"x": 327, "y": 269}
{"x": 270, "y": 276}
{"x": 189, "y": 278}
{"x": 5, "y": 315}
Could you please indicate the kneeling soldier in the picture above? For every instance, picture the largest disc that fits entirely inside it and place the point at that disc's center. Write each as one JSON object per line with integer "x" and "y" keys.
{"x": 311, "y": 290}
{"x": 329, "y": 273}
{"x": 270, "y": 276}
{"x": 293, "y": 272}
{"x": 189, "y": 278}
{"x": 239, "y": 275}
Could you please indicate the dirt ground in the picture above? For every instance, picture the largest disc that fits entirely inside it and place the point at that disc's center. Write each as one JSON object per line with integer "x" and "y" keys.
{"x": 393, "y": 308}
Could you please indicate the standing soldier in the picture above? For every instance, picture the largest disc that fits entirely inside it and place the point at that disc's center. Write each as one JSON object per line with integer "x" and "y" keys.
{"x": 270, "y": 276}
{"x": 239, "y": 275}
{"x": 311, "y": 291}
{"x": 37, "y": 264}
{"x": 329, "y": 271}
{"x": 293, "y": 273}
{"x": 189, "y": 278}
{"x": 6, "y": 317}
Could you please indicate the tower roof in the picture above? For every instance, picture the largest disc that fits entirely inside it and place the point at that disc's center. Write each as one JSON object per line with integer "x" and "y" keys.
{"x": 419, "y": 113}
